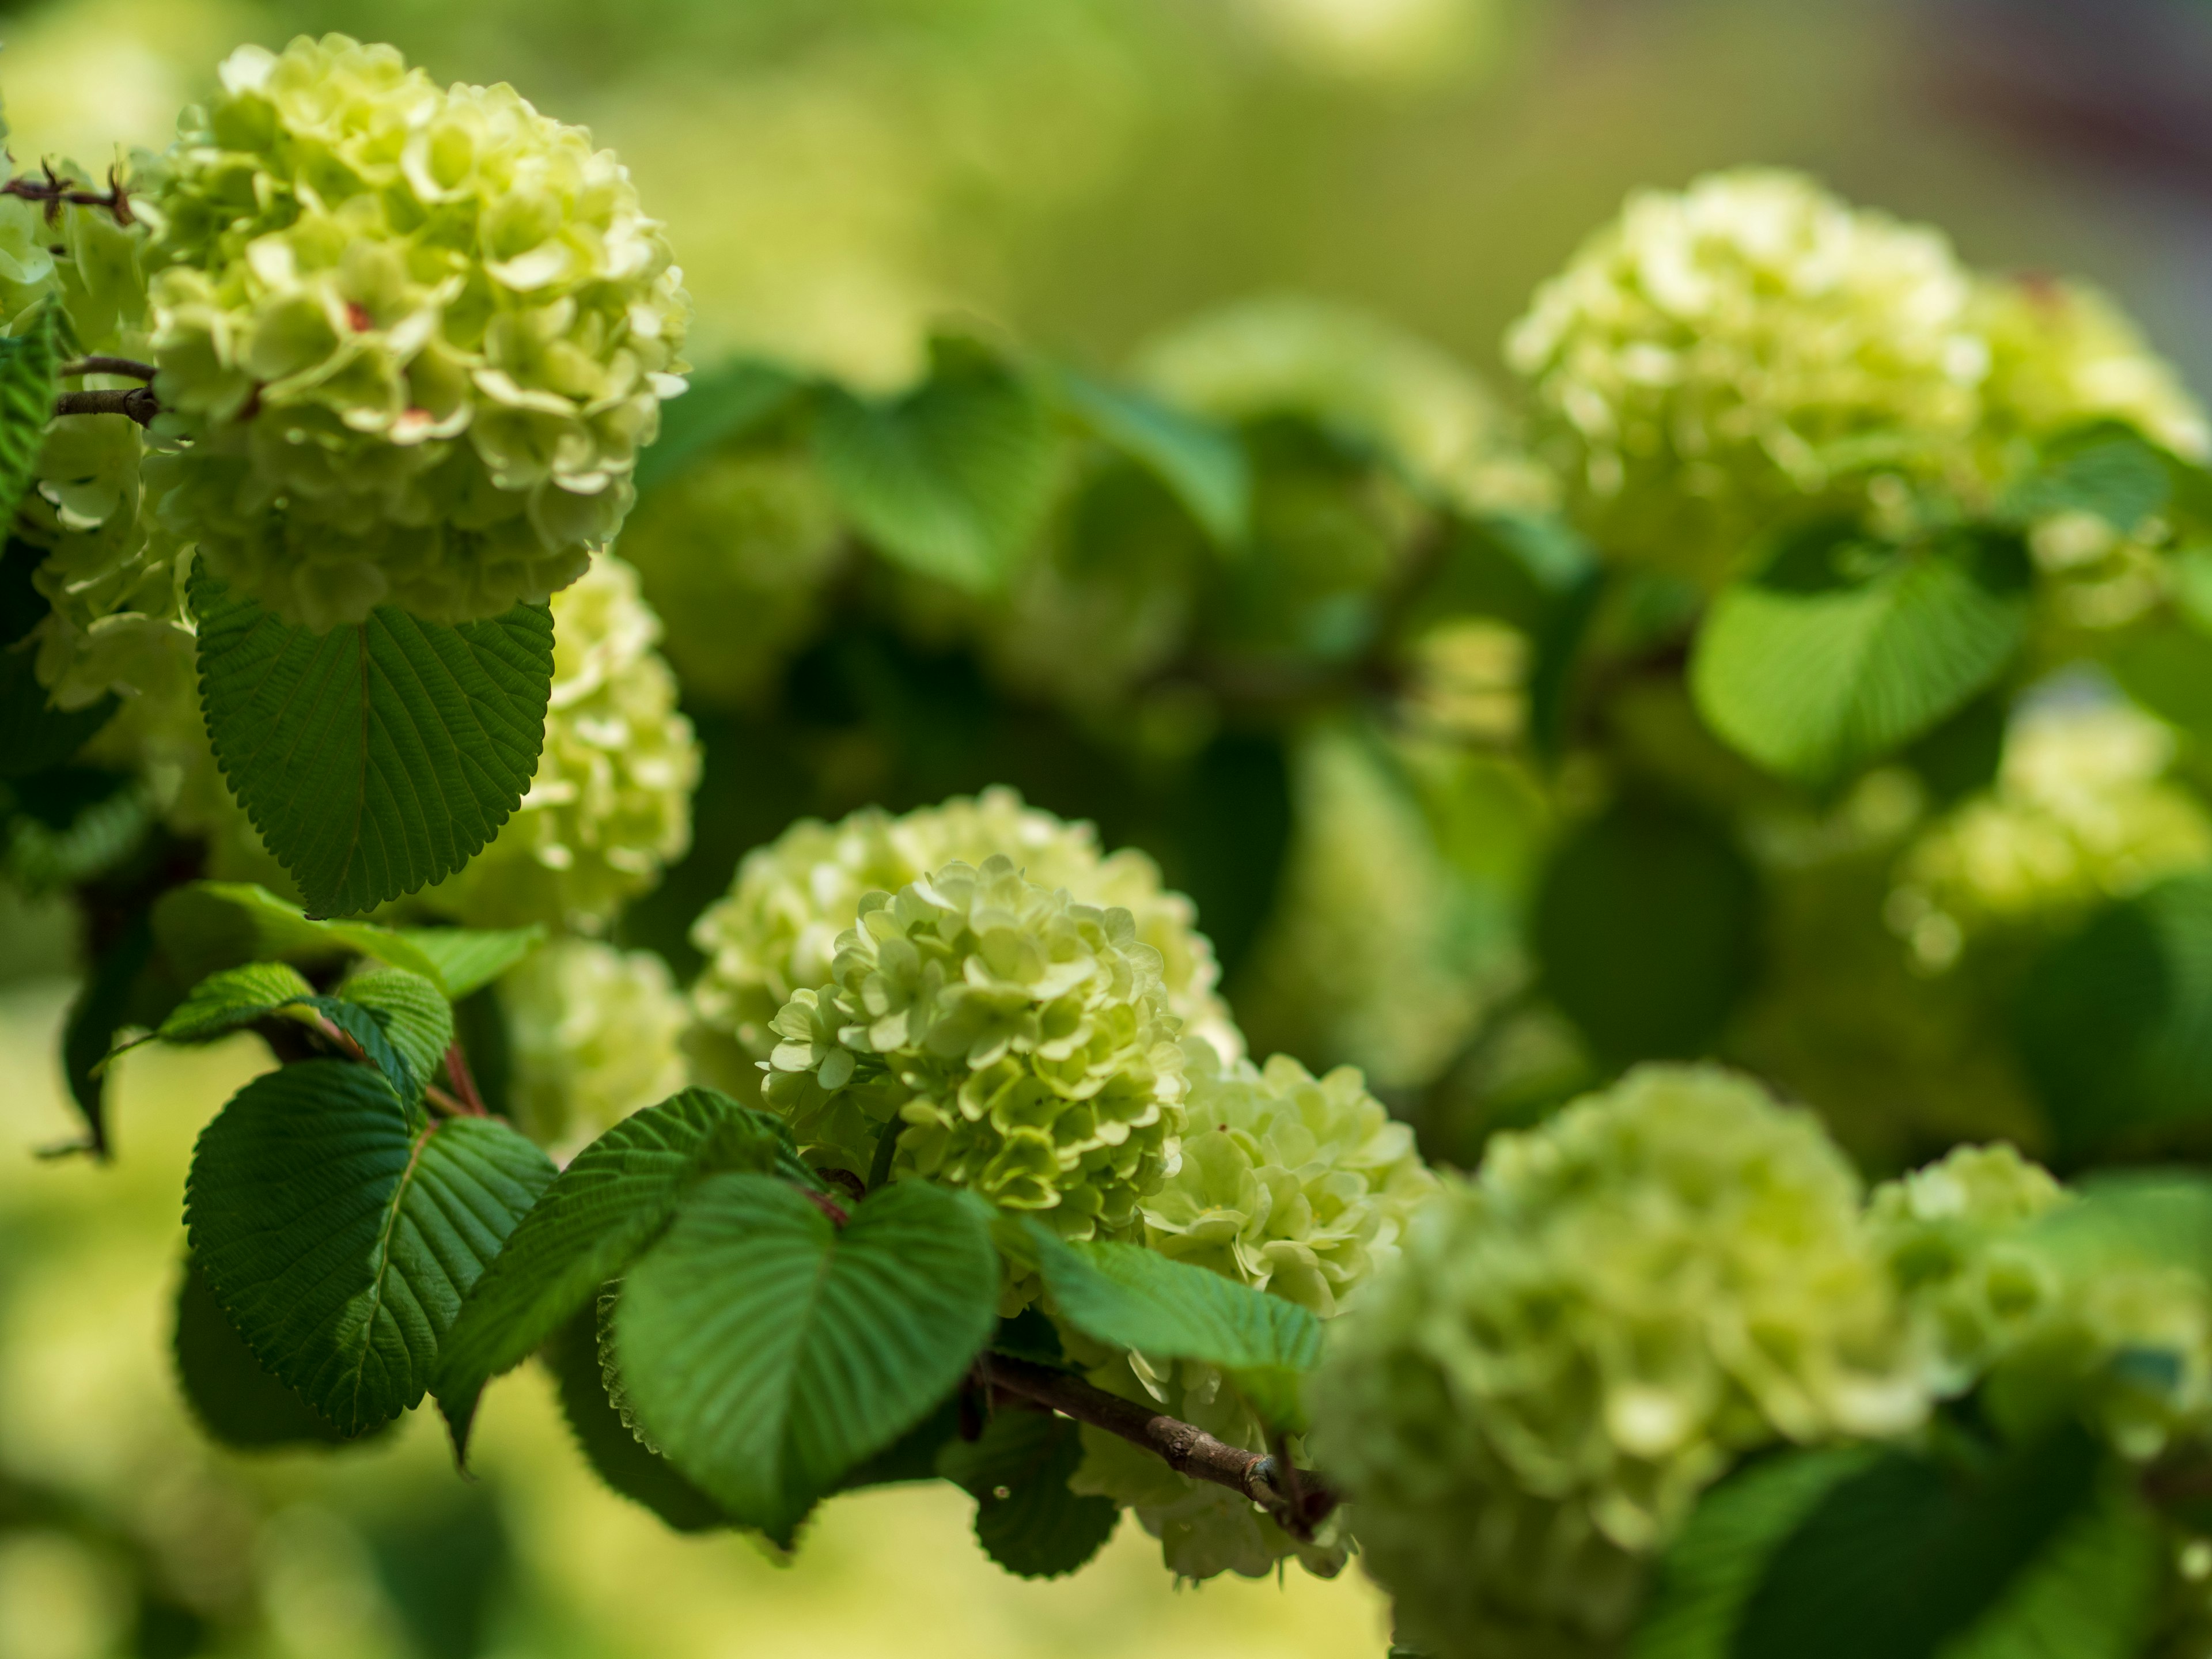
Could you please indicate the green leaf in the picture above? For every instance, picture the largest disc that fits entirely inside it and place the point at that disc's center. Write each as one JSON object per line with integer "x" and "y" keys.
{"x": 2126, "y": 1218}
{"x": 223, "y": 1002}
{"x": 767, "y": 1351}
{"x": 2090, "y": 1595}
{"x": 2115, "y": 1024}
{"x": 235, "y": 1400}
{"x": 340, "y": 1239}
{"x": 1710, "y": 1571}
{"x": 617, "y": 1456}
{"x": 125, "y": 986}
{"x": 33, "y": 736}
{"x": 1906, "y": 1554}
{"x": 462, "y": 960}
{"x": 2109, "y": 469}
{"x": 1201, "y": 464}
{"x": 912, "y": 1456}
{"x": 380, "y": 756}
{"x": 611, "y": 1202}
{"x": 1646, "y": 931}
{"x": 1842, "y": 650}
{"x": 951, "y": 481}
{"x": 1129, "y": 1297}
{"x": 720, "y": 406}
{"x": 415, "y": 1015}
{"x": 29, "y": 365}
{"x": 1026, "y": 1519}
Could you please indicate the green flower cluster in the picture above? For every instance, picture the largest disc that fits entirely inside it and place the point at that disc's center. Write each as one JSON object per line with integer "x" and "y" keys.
{"x": 733, "y": 554}
{"x": 610, "y": 804}
{"x": 1713, "y": 357}
{"x": 2063, "y": 355}
{"x": 595, "y": 1035}
{"x": 1573, "y": 1344}
{"x": 2080, "y": 812}
{"x": 776, "y": 931}
{"x": 415, "y": 337}
{"x": 1021, "y": 1044}
{"x": 1293, "y": 1185}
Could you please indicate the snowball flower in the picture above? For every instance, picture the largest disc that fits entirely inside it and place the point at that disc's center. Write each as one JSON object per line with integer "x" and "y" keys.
{"x": 414, "y": 337}
{"x": 775, "y": 933}
{"x": 1020, "y": 1043}
{"x": 1747, "y": 347}
{"x": 594, "y": 1033}
{"x": 1574, "y": 1344}
{"x": 610, "y": 804}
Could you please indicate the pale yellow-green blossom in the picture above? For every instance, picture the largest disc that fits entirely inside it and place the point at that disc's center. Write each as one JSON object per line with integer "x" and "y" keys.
{"x": 610, "y": 807}
{"x": 595, "y": 1033}
{"x": 775, "y": 932}
{"x": 1746, "y": 348}
{"x": 415, "y": 336}
{"x": 1574, "y": 1344}
{"x": 1021, "y": 1043}
{"x": 2063, "y": 355}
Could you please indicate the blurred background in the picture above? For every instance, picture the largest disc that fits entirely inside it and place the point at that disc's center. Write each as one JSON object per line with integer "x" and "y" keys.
{"x": 1080, "y": 174}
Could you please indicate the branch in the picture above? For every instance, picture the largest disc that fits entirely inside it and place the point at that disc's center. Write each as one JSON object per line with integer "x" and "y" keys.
{"x": 53, "y": 190}
{"x": 137, "y": 402}
{"x": 1297, "y": 1498}
{"x": 464, "y": 1080}
{"x": 130, "y": 367}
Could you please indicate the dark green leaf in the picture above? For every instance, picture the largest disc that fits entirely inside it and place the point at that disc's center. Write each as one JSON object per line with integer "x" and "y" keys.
{"x": 1646, "y": 931}
{"x": 1906, "y": 1555}
{"x": 2116, "y": 1023}
{"x": 208, "y": 925}
{"x": 616, "y": 1455}
{"x": 599, "y": 1213}
{"x": 720, "y": 406}
{"x": 1201, "y": 464}
{"x": 912, "y": 1456}
{"x": 125, "y": 986}
{"x": 2109, "y": 470}
{"x": 1842, "y": 650}
{"x": 340, "y": 1239}
{"x": 2088, "y": 1595}
{"x": 1961, "y": 756}
{"x": 29, "y": 365}
{"x": 236, "y": 997}
{"x": 236, "y": 1401}
{"x": 1558, "y": 638}
{"x": 414, "y": 1014}
{"x": 379, "y": 757}
{"x": 951, "y": 481}
{"x": 767, "y": 1351}
{"x": 1026, "y": 1519}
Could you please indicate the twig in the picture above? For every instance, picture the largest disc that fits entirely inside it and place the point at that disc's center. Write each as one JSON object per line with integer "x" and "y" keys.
{"x": 53, "y": 191}
{"x": 96, "y": 365}
{"x": 464, "y": 1080}
{"x": 137, "y": 402}
{"x": 444, "y": 1104}
{"x": 1299, "y": 1499}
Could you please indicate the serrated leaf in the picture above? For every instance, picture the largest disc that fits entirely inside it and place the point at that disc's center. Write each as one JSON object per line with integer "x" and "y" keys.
{"x": 382, "y": 755}
{"x": 340, "y": 1239}
{"x": 2115, "y": 1023}
{"x": 719, "y": 406}
{"x": 204, "y": 926}
{"x": 617, "y": 1456}
{"x": 951, "y": 481}
{"x": 767, "y": 1351}
{"x": 1202, "y": 464}
{"x": 415, "y": 1015}
{"x": 611, "y": 1202}
{"x": 1710, "y": 1571}
{"x": 1017, "y": 1472}
{"x": 236, "y": 1399}
{"x": 1129, "y": 1297}
{"x": 1842, "y": 650}
{"x": 29, "y": 365}
{"x": 463, "y": 960}
{"x": 236, "y": 997}
{"x": 1902, "y": 1556}
{"x": 366, "y": 1026}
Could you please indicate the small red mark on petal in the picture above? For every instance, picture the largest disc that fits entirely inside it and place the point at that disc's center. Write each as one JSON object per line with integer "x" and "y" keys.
{"x": 357, "y": 315}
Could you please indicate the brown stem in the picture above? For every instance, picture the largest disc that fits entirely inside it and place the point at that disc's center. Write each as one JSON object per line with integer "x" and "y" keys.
{"x": 464, "y": 1080}
{"x": 444, "y": 1104}
{"x": 53, "y": 191}
{"x": 137, "y": 402}
{"x": 1299, "y": 1499}
{"x": 837, "y": 1213}
{"x": 96, "y": 365}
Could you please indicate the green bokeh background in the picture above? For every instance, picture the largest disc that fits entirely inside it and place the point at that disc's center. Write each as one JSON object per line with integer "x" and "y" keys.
{"x": 836, "y": 179}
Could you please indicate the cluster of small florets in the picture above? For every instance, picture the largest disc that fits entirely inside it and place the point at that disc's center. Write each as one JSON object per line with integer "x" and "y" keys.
{"x": 1020, "y": 1043}
{"x": 415, "y": 337}
{"x": 1576, "y": 1343}
{"x": 595, "y": 1034}
{"x": 2080, "y": 813}
{"x": 1715, "y": 355}
{"x": 1295, "y": 1185}
{"x": 610, "y": 807}
{"x": 776, "y": 931}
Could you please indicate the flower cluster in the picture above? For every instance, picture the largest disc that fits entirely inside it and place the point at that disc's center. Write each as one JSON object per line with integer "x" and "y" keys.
{"x": 1020, "y": 1043}
{"x": 595, "y": 1036}
{"x": 2080, "y": 813}
{"x": 1576, "y": 1343}
{"x": 610, "y": 804}
{"x": 415, "y": 337}
{"x": 1291, "y": 1184}
{"x": 776, "y": 931}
